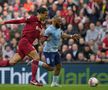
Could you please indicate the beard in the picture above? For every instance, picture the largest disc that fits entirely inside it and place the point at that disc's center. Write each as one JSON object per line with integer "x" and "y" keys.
{"x": 57, "y": 25}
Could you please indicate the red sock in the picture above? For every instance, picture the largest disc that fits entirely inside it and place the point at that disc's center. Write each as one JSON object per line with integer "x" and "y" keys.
{"x": 4, "y": 63}
{"x": 34, "y": 69}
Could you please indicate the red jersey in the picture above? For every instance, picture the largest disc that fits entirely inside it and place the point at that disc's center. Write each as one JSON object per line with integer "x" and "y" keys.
{"x": 32, "y": 28}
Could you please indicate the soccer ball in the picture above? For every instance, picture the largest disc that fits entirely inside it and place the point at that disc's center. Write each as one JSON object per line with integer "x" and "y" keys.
{"x": 93, "y": 82}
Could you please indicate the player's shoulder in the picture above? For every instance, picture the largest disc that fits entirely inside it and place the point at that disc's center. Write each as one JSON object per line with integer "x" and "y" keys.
{"x": 32, "y": 17}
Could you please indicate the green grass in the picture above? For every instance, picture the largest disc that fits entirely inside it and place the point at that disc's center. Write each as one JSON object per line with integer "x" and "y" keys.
{"x": 47, "y": 87}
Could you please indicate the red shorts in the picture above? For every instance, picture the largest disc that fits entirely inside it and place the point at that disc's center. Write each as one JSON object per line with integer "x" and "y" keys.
{"x": 24, "y": 47}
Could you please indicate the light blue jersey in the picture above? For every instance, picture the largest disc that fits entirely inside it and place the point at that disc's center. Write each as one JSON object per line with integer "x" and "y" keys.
{"x": 54, "y": 41}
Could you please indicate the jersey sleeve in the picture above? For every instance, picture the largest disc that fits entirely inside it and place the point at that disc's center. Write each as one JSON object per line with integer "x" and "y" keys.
{"x": 22, "y": 20}
{"x": 18, "y": 21}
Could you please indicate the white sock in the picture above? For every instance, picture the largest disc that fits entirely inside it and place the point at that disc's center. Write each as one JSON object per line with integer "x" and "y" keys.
{"x": 40, "y": 63}
{"x": 55, "y": 79}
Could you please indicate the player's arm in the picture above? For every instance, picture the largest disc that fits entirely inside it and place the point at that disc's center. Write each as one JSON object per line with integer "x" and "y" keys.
{"x": 64, "y": 35}
{"x": 75, "y": 36}
{"x": 21, "y": 20}
{"x": 18, "y": 21}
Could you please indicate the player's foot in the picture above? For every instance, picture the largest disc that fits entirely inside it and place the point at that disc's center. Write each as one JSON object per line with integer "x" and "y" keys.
{"x": 36, "y": 83}
{"x": 55, "y": 85}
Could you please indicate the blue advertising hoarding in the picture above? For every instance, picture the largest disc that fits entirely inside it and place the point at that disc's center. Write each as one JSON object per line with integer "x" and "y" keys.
{"x": 70, "y": 74}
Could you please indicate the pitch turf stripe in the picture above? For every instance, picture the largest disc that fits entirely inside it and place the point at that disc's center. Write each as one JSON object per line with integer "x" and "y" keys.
{"x": 66, "y": 85}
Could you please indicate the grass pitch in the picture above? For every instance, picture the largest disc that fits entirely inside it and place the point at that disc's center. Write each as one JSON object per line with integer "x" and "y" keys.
{"x": 47, "y": 87}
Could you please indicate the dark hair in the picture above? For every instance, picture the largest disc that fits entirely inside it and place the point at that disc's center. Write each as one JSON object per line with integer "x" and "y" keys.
{"x": 57, "y": 21}
{"x": 42, "y": 10}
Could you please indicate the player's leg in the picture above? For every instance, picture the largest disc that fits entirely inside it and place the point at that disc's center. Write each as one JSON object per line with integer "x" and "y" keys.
{"x": 34, "y": 66}
{"x": 55, "y": 81}
{"x": 16, "y": 58}
{"x": 43, "y": 64}
{"x": 46, "y": 66}
{"x": 10, "y": 62}
{"x": 36, "y": 59}
{"x": 52, "y": 59}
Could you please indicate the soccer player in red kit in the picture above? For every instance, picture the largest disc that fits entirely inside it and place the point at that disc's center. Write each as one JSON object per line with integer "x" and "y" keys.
{"x": 31, "y": 31}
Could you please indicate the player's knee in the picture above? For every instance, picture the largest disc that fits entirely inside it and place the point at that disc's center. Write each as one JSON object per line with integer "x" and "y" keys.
{"x": 36, "y": 58}
{"x": 12, "y": 62}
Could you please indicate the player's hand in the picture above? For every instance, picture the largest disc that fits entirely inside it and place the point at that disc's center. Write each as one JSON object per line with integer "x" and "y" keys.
{"x": 76, "y": 36}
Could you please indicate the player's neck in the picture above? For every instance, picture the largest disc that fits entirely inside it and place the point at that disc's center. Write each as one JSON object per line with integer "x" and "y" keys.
{"x": 38, "y": 17}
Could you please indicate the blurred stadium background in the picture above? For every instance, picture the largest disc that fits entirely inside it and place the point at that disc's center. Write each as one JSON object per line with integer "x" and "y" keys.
{"x": 89, "y": 18}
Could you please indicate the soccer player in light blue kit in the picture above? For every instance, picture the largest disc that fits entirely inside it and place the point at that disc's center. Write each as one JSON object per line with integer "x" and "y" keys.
{"x": 52, "y": 45}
